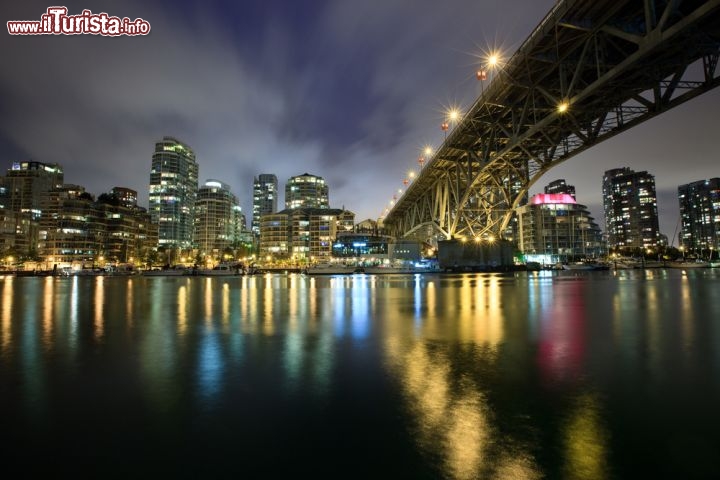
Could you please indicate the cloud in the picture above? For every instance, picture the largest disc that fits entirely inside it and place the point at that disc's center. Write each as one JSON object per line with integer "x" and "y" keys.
{"x": 343, "y": 89}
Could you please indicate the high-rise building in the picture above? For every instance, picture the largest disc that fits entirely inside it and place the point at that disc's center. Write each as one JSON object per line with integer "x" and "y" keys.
{"x": 173, "y": 190}
{"x": 8, "y": 221}
{"x": 630, "y": 204}
{"x": 560, "y": 186}
{"x": 218, "y": 219}
{"x": 306, "y": 191}
{"x": 27, "y": 185}
{"x": 700, "y": 214}
{"x": 265, "y": 193}
{"x": 554, "y": 227}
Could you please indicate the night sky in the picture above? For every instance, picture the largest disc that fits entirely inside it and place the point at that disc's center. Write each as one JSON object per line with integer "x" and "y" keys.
{"x": 346, "y": 89}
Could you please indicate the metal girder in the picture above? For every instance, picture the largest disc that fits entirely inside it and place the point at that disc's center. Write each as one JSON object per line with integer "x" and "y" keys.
{"x": 615, "y": 64}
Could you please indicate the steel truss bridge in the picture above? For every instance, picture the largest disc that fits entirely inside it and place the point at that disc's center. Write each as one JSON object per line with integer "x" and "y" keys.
{"x": 611, "y": 64}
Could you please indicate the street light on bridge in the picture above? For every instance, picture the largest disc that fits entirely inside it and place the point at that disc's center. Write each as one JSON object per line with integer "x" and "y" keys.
{"x": 452, "y": 116}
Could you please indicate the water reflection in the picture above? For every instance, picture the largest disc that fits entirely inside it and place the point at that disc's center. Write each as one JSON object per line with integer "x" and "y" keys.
{"x": 585, "y": 441}
{"x": 7, "y": 309}
{"x": 469, "y": 376}
{"x": 48, "y": 301}
{"x": 453, "y": 418}
{"x": 74, "y": 301}
{"x": 562, "y": 337}
{"x": 99, "y": 302}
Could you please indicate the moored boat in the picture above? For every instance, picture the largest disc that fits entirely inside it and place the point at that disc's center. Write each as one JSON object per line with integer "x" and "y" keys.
{"x": 176, "y": 270}
{"x": 689, "y": 264}
{"x": 222, "y": 269}
{"x": 328, "y": 268}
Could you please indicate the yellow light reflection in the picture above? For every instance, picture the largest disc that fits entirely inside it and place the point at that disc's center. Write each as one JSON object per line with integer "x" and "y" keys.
{"x": 182, "y": 309}
{"x": 208, "y": 300}
{"x": 467, "y": 437}
{"x": 245, "y": 310}
{"x": 453, "y": 420}
{"x": 129, "y": 302}
{"x": 48, "y": 312}
{"x": 585, "y": 442}
{"x": 7, "y": 306}
{"x": 99, "y": 301}
{"x": 313, "y": 295}
{"x": 268, "y": 328}
{"x": 226, "y": 303}
{"x": 293, "y": 293}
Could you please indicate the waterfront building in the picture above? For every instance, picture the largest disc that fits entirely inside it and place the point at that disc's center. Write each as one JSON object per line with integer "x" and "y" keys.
{"x": 554, "y": 227}
{"x": 700, "y": 216}
{"x": 173, "y": 191}
{"x": 274, "y": 235}
{"x": 77, "y": 230}
{"x": 28, "y": 183}
{"x": 7, "y": 224}
{"x": 218, "y": 220}
{"x": 129, "y": 234}
{"x": 265, "y": 198}
{"x": 72, "y": 228}
{"x": 303, "y": 233}
{"x": 306, "y": 191}
{"x": 630, "y": 204}
{"x": 361, "y": 245}
{"x": 26, "y": 186}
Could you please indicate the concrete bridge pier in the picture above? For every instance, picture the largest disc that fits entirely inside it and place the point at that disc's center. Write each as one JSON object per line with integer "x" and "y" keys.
{"x": 471, "y": 256}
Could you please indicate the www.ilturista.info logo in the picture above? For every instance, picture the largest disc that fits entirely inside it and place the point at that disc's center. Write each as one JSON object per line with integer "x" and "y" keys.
{"x": 57, "y": 22}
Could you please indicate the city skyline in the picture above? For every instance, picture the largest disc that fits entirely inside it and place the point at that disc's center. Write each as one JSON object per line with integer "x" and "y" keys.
{"x": 334, "y": 89}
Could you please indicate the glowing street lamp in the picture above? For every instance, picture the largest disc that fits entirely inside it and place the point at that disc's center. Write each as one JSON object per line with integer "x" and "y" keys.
{"x": 563, "y": 106}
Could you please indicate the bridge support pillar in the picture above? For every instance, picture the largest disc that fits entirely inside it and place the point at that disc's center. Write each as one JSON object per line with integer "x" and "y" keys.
{"x": 455, "y": 255}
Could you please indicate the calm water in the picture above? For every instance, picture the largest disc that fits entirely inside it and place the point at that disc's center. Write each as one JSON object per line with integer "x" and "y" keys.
{"x": 547, "y": 375}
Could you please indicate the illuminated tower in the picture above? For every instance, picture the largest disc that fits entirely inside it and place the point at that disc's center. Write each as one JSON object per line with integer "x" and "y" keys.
{"x": 173, "y": 189}
{"x": 630, "y": 204}
{"x": 700, "y": 213}
{"x": 217, "y": 217}
{"x": 306, "y": 191}
{"x": 265, "y": 193}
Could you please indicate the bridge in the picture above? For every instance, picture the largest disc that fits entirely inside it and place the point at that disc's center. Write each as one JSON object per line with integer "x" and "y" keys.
{"x": 590, "y": 70}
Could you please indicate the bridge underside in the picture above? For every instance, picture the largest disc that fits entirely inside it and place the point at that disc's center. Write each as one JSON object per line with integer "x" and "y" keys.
{"x": 613, "y": 63}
